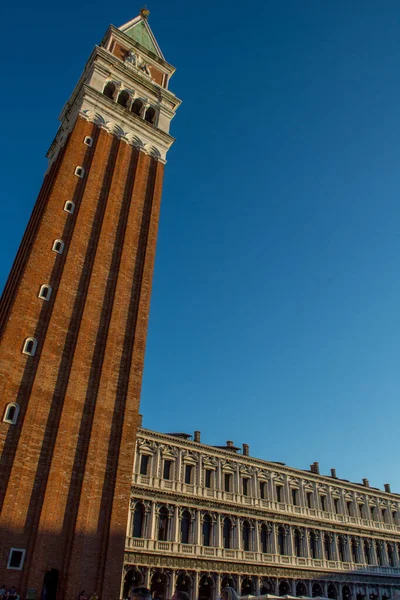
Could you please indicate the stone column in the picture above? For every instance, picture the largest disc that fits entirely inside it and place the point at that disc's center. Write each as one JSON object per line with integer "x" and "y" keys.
{"x": 239, "y": 583}
{"x": 178, "y": 469}
{"x": 307, "y": 552}
{"x": 257, "y": 586}
{"x": 175, "y": 529}
{"x": 152, "y": 522}
{"x": 325, "y": 586}
{"x": 272, "y": 539}
{"x": 217, "y": 586}
{"x": 288, "y": 540}
{"x": 293, "y": 587}
{"x": 309, "y": 588}
{"x": 195, "y": 590}
{"x": 239, "y": 541}
{"x": 171, "y": 584}
{"x": 335, "y": 549}
{"x": 256, "y": 537}
{"x": 147, "y": 577}
{"x": 198, "y": 540}
{"x": 218, "y": 536}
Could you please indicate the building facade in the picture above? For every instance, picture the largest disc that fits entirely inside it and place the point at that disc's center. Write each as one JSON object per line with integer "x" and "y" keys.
{"x": 204, "y": 517}
{"x": 73, "y": 324}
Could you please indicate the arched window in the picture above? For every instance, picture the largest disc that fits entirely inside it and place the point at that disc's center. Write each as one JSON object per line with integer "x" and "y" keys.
{"x": 346, "y": 592}
{"x": 58, "y": 246}
{"x": 123, "y": 98}
{"x": 367, "y": 552}
{"x": 185, "y": 527}
{"x": 207, "y": 524}
{"x": 373, "y": 512}
{"x": 11, "y": 413}
{"x": 264, "y": 538}
{"x": 137, "y": 106}
{"x": 390, "y": 554}
{"x": 138, "y": 519}
{"x": 30, "y": 346}
{"x": 297, "y": 542}
{"x": 109, "y": 90}
{"x": 150, "y": 115}
{"x": 163, "y": 517}
{"x": 284, "y": 588}
{"x": 45, "y": 292}
{"x": 332, "y": 592}
{"x": 281, "y": 541}
{"x": 246, "y": 536}
{"x": 247, "y": 586}
{"x": 316, "y": 590}
{"x": 353, "y": 546}
{"x": 227, "y": 533}
{"x": 313, "y": 544}
{"x": 79, "y": 172}
{"x": 341, "y": 549}
{"x": 327, "y": 547}
{"x": 69, "y": 207}
{"x": 301, "y": 589}
{"x": 379, "y": 553}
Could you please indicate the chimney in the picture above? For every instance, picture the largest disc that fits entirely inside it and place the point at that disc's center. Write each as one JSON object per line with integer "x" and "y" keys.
{"x": 140, "y": 420}
{"x": 314, "y": 468}
{"x": 229, "y": 444}
{"x": 333, "y": 473}
{"x": 245, "y": 450}
{"x": 366, "y": 482}
{"x": 197, "y": 436}
{"x": 387, "y": 488}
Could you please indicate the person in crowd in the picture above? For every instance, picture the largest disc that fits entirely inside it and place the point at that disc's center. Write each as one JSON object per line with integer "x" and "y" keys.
{"x": 179, "y": 595}
{"x": 82, "y": 595}
{"x": 94, "y": 596}
{"x": 12, "y": 593}
{"x": 3, "y": 592}
{"x": 140, "y": 593}
{"x": 228, "y": 593}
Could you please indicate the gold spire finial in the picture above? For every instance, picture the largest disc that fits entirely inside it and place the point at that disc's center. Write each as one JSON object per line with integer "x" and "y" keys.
{"x": 144, "y": 12}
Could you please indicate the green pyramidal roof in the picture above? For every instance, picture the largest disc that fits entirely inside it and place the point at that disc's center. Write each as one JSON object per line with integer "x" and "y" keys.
{"x": 141, "y": 34}
{"x": 139, "y": 30}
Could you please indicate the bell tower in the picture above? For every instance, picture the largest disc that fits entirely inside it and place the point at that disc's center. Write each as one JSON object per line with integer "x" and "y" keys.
{"x": 73, "y": 324}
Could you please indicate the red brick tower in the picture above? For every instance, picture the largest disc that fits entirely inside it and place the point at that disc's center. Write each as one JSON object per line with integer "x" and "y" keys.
{"x": 73, "y": 322}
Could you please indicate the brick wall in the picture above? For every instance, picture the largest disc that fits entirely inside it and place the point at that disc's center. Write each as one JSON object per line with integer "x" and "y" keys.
{"x": 68, "y": 461}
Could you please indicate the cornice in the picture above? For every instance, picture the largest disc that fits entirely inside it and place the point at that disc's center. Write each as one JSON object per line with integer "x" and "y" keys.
{"x": 166, "y": 496}
{"x": 283, "y": 469}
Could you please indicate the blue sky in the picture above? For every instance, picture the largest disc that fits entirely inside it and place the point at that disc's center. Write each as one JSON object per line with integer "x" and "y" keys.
{"x": 276, "y": 297}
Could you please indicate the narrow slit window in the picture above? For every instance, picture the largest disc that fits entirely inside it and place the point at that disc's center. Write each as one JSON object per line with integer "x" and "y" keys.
{"x": 245, "y": 484}
{"x": 29, "y": 348}
{"x": 144, "y": 464}
{"x": 45, "y": 292}
{"x": 188, "y": 473}
{"x": 167, "y": 469}
{"x": 16, "y": 559}
{"x": 80, "y": 172}
{"x": 262, "y": 490}
{"x": 11, "y": 413}
{"x": 208, "y": 478}
{"x": 88, "y": 141}
{"x": 58, "y": 246}
{"x": 69, "y": 207}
